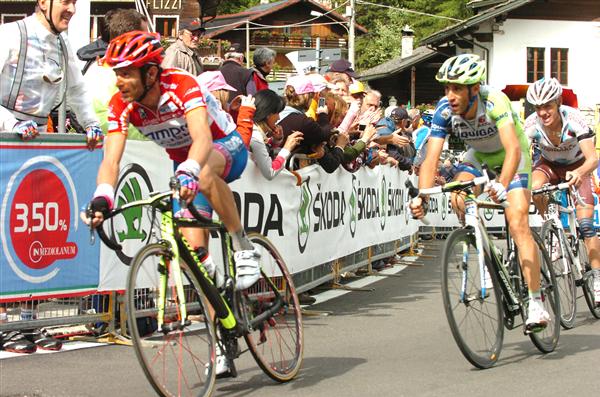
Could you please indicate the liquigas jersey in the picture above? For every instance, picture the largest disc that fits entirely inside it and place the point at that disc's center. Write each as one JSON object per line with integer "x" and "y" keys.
{"x": 482, "y": 133}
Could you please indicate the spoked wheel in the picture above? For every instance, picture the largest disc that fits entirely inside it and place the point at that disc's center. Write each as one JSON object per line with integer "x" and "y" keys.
{"x": 179, "y": 358}
{"x": 588, "y": 280}
{"x": 472, "y": 301}
{"x": 276, "y": 342}
{"x": 562, "y": 268}
{"x": 547, "y": 339}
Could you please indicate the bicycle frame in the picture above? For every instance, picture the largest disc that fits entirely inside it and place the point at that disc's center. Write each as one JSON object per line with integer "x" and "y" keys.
{"x": 553, "y": 215}
{"x": 180, "y": 249}
{"x": 487, "y": 250}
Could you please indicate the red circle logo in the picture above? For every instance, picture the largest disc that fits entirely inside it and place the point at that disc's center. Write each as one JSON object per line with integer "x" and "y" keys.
{"x": 40, "y": 219}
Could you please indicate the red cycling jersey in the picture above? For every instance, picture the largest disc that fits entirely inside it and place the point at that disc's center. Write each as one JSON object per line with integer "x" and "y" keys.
{"x": 166, "y": 125}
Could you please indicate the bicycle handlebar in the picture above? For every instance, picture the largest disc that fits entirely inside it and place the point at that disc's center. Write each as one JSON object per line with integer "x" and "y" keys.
{"x": 154, "y": 201}
{"x": 560, "y": 186}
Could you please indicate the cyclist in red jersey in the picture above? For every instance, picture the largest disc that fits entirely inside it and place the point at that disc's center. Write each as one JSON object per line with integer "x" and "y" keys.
{"x": 168, "y": 107}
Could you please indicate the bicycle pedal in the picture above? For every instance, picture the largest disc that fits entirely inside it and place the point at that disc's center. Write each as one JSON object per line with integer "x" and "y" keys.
{"x": 534, "y": 328}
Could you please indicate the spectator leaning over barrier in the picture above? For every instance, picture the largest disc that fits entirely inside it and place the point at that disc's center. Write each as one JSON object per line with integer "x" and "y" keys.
{"x": 268, "y": 106}
{"x": 404, "y": 152}
{"x": 39, "y": 73}
{"x": 182, "y": 53}
{"x": 263, "y": 59}
{"x": 370, "y": 109}
{"x": 299, "y": 92}
{"x": 236, "y": 75}
{"x": 216, "y": 94}
{"x": 100, "y": 78}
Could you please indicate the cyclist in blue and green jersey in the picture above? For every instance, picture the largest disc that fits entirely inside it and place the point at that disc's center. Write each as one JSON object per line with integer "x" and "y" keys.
{"x": 483, "y": 118}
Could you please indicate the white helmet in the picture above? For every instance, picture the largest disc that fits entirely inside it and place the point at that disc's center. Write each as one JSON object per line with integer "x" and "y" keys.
{"x": 544, "y": 91}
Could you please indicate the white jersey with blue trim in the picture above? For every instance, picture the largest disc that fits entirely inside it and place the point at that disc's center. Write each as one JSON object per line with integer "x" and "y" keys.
{"x": 481, "y": 133}
{"x": 574, "y": 130}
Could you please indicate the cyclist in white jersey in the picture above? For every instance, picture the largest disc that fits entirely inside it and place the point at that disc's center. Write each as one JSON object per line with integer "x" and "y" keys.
{"x": 567, "y": 154}
{"x": 482, "y": 117}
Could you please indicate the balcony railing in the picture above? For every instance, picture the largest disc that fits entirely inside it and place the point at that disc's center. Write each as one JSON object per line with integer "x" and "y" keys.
{"x": 298, "y": 42}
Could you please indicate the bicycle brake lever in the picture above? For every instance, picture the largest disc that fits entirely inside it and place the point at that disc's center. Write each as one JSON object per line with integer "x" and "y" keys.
{"x": 89, "y": 213}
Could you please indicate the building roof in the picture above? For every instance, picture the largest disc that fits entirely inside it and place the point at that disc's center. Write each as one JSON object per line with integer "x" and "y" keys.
{"x": 475, "y": 20}
{"x": 397, "y": 64}
{"x": 227, "y": 22}
{"x": 483, "y": 3}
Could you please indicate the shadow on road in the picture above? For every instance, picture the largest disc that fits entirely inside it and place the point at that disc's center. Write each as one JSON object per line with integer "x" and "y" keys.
{"x": 314, "y": 370}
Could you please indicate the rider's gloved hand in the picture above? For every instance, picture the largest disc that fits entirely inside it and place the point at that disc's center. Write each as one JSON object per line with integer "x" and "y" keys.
{"x": 187, "y": 175}
{"x": 100, "y": 206}
{"x": 418, "y": 207}
{"x": 93, "y": 136}
{"x": 27, "y": 129}
{"x": 497, "y": 191}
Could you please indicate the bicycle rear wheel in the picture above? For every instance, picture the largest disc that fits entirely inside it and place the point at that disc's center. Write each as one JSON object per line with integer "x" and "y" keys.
{"x": 547, "y": 339}
{"x": 179, "y": 358}
{"x": 476, "y": 321}
{"x": 561, "y": 266}
{"x": 277, "y": 342}
{"x": 588, "y": 280}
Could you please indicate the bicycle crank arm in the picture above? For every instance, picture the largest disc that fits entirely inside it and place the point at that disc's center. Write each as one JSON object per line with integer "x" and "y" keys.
{"x": 175, "y": 326}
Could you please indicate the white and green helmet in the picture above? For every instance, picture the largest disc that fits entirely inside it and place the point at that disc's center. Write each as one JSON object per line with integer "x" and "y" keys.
{"x": 465, "y": 69}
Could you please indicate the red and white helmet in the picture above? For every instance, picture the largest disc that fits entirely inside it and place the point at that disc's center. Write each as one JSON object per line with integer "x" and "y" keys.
{"x": 136, "y": 48}
{"x": 544, "y": 91}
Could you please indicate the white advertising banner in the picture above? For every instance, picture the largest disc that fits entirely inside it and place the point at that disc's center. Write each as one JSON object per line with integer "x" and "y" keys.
{"x": 441, "y": 214}
{"x": 328, "y": 216}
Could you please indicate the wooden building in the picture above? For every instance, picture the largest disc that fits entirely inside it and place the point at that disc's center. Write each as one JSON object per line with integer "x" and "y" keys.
{"x": 521, "y": 41}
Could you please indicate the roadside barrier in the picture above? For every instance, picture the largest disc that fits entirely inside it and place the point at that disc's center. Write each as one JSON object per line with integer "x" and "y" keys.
{"x": 323, "y": 224}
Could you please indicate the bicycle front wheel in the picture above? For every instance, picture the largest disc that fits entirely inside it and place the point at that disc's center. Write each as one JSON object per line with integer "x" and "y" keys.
{"x": 276, "y": 342}
{"x": 177, "y": 359}
{"x": 547, "y": 339}
{"x": 588, "y": 280}
{"x": 472, "y": 301}
{"x": 561, "y": 265}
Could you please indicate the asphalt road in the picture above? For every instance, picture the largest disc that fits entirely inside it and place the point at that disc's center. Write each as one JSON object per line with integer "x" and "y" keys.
{"x": 391, "y": 341}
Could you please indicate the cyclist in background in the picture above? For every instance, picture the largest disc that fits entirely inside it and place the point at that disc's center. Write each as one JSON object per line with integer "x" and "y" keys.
{"x": 168, "y": 107}
{"x": 482, "y": 117}
{"x": 567, "y": 154}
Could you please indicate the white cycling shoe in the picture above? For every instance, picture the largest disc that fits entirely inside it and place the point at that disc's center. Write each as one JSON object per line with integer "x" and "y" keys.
{"x": 247, "y": 268}
{"x": 537, "y": 317}
{"x": 222, "y": 369}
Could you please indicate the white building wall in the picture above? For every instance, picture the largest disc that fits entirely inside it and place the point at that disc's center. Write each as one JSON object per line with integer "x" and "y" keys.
{"x": 509, "y": 55}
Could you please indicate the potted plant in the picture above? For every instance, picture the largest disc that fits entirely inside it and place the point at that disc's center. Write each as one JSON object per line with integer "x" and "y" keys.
{"x": 261, "y": 34}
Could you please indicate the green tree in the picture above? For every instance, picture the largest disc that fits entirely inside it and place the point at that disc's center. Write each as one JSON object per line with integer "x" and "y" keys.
{"x": 383, "y": 42}
{"x": 235, "y": 6}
